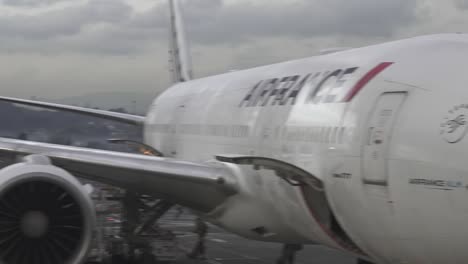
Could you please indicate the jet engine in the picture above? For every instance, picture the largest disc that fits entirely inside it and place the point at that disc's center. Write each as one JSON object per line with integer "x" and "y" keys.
{"x": 46, "y": 214}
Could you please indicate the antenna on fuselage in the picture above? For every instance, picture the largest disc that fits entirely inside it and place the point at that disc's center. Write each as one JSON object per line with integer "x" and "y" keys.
{"x": 180, "y": 61}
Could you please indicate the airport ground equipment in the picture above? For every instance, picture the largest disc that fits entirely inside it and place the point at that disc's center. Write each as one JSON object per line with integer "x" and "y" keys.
{"x": 127, "y": 222}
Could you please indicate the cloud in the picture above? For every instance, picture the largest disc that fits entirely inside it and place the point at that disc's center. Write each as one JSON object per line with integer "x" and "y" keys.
{"x": 30, "y": 3}
{"x": 112, "y": 27}
{"x": 212, "y": 21}
{"x": 67, "y": 21}
{"x": 461, "y": 4}
{"x": 99, "y": 27}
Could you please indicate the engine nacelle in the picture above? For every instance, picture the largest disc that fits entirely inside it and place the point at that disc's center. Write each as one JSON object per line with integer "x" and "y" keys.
{"x": 46, "y": 214}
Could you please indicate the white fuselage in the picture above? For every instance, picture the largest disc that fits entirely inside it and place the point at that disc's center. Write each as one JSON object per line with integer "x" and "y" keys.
{"x": 393, "y": 158}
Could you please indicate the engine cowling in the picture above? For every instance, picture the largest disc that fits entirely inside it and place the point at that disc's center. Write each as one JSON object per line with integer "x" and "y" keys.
{"x": 46, "y": 214}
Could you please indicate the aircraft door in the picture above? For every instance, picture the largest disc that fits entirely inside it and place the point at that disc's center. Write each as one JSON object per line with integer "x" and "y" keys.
{"x": 377, "y": 140}
{"x": 172, "y": 141}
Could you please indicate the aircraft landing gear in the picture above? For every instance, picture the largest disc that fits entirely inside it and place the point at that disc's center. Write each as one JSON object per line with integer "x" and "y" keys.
{"x": 288, "y": 254}
{"x": 361, "y": 261}
{"x": 140, "y": 228}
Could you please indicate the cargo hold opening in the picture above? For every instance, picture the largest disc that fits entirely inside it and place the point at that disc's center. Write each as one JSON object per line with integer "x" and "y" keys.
{"x": 319, "y": 208}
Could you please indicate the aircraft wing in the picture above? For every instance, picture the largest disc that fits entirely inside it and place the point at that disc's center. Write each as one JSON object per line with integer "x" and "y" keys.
{"x": 125, "y": 118}
{"x": 200, "y": 186}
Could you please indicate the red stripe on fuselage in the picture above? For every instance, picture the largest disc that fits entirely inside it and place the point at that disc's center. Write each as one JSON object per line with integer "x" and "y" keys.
{"x": 366, "y": 79}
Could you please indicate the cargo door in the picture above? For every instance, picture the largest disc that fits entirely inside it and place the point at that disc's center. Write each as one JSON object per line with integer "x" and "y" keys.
{"x": 376, "y": 143}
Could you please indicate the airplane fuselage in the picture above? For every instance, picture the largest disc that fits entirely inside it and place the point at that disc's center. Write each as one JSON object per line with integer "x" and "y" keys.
{"x": 383, "y": 127}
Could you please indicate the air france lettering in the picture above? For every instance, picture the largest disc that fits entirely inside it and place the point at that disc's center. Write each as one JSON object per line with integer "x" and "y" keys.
{"x": 326, "y": 87}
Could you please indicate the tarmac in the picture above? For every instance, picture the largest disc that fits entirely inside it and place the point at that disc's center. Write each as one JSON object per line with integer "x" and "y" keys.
{"x": 226, "y": 248}
{"x": 223, "y": 247}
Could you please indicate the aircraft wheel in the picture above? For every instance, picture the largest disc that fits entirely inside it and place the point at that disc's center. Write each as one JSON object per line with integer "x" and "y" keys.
{"x": 361, "y": 261}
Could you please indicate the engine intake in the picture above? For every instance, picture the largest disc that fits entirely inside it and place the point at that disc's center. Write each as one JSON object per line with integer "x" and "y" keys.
{"x": 46, "y": 215}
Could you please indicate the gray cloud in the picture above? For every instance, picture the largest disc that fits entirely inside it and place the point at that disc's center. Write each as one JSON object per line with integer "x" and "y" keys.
{"x": 214, "y": 22}
{"x": 81, "y": 29}
{"x": 300, "y": 20}
{"x": 461, "y": 4}
{"x": 30, "y": 3}
{"x": 66, "y": 21}
{"x": 106, "y": 27}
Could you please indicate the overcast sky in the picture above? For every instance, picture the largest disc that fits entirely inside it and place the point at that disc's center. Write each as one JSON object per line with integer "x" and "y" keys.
{"x": 61, "y": 48}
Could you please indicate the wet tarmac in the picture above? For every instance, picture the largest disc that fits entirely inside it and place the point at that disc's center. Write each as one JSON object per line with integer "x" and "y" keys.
{"x": 230, "y": 249}
{"x": 226, "y": 248}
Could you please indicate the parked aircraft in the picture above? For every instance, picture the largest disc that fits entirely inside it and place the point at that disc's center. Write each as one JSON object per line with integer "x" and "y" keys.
{"x": 362, "y": 150}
